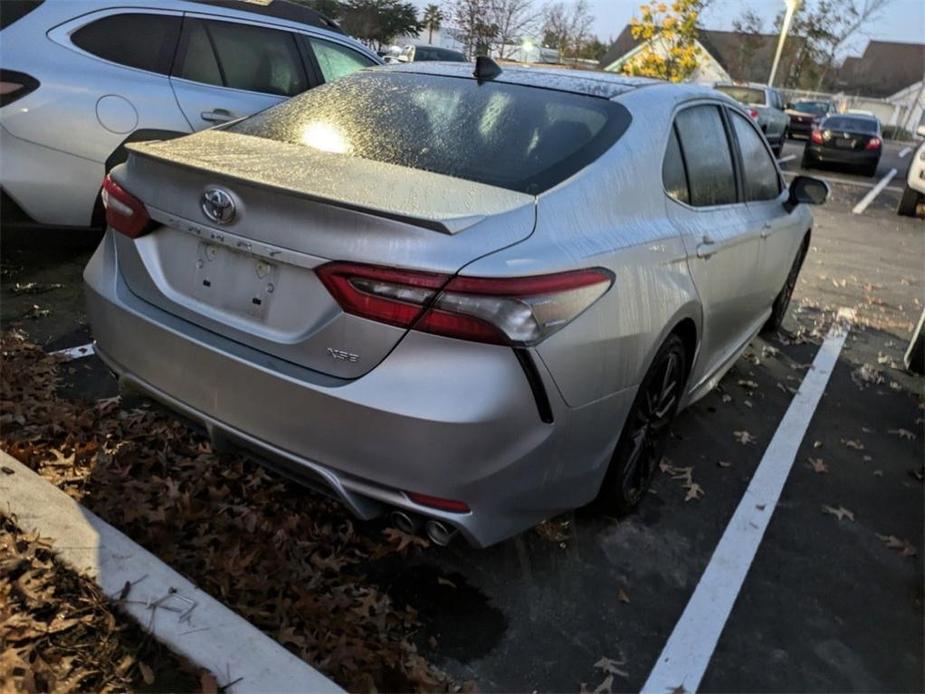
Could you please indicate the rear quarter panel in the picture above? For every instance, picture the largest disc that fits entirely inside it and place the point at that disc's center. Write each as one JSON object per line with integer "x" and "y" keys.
{"x": 611, "y": 215}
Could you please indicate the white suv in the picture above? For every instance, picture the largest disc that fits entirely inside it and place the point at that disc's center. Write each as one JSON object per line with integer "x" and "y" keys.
{"x": 81, "y": 78}
{"x": 914, "y": 193}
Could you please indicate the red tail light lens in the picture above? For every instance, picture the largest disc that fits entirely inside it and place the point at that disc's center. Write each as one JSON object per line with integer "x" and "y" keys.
{"x": 450, "y": 505}
{"x": 15, "y": 85}
{"x": 124, "y": 212}
{"x": 873, "y": 143}
{"x": 753, "y": 113}
{"x": 816, "y": 137}
{"x": 516, "y": 311}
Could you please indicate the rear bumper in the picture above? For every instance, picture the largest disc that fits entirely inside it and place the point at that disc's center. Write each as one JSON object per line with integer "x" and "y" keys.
{"x": 438, "y": 416}
{"x": 830, "y": 155}
{"x": 800, "y": 129}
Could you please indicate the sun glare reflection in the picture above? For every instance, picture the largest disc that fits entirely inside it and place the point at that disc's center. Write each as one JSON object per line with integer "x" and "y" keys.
{"x": 325, "y": 137}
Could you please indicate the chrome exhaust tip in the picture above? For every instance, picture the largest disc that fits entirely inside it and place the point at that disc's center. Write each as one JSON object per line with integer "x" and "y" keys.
{"x": 405, "y": 522}
{"x": 440, "y": 533}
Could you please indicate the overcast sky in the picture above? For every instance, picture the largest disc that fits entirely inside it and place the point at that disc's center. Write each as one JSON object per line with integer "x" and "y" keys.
{"x": 902, "y": 20}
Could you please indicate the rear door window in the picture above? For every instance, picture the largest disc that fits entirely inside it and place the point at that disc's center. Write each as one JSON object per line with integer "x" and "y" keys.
{"x": 744, "y": 95}
{"x": 140, "y": 40}
{"x": 705, "y": 147}
{"x": 758, "y": 169}
{"x": 336, "y": 61}
{"x": 674, "y": 175}
{"x": 241, "y": 56}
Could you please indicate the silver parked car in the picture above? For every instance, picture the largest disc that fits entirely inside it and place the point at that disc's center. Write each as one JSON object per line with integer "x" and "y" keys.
{"x": 558, "y": 263}
{"x": 83, "y": 78}
{"x": 765, "y": 106}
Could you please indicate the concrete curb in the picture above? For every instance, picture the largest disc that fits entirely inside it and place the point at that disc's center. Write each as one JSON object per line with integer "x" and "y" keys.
{"x": 171, "y": 607}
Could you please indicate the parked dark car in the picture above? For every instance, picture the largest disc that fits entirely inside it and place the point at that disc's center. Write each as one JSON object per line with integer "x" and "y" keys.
{"x": 854, "y": 141}
{"x": 806, "y": 115}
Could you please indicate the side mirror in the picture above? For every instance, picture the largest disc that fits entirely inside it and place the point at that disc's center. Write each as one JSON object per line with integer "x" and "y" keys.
{"x": 807, "y": 190}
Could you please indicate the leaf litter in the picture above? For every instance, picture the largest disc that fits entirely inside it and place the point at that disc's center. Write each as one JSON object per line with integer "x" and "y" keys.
{"x": 59, "y": 632}
{"x": 289, "y": 561}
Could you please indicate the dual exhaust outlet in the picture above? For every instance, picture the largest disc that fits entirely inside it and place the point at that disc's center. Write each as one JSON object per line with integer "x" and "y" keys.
{"x": 438, "y": 532}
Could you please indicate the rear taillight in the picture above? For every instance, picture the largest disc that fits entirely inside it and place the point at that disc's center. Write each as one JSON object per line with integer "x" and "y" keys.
{"x": 437, "y": 502}
{"x": 15, "y": 85}
{"x": 517, "y": 311}
{"x": 816, "y": 137}
{"x": 873, "y": 143}
{"x": 124, "y": 212}
{"x": 753, "y": 113}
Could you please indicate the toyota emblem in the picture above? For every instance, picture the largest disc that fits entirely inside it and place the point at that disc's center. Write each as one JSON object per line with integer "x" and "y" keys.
{"x": 218, "y": 205}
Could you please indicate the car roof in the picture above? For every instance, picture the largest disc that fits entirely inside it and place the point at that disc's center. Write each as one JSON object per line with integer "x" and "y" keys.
{"x": 279, "y": 9}
{"x": 600, "y": 84}
{"x": 748, "y": 85}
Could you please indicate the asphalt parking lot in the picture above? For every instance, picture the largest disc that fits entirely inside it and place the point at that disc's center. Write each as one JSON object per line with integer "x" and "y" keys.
{"x": 834, "y": 597}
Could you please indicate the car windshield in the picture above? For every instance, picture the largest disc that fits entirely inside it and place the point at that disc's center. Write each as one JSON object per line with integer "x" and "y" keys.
{"x": 526, "y": 139}
{"x": 744, "y": 95}
{"x": 858, "y": 125}
{"x": 432, "y": 53}
{"x": 817, "y": 107}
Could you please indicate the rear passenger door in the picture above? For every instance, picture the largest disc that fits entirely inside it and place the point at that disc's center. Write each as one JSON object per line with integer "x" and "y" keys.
{"x": 228, "y": 69}
{"x": 764, "y": 195}
{"x": 704, "y": 203}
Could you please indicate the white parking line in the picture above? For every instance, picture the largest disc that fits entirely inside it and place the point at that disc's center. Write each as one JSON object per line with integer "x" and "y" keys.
{"x": 877, "y": 189}
{"x": 690, "y": 647}
{"x": 842, "y": 181}
{"x": 789, "y": 157}
{"x": 904, "y": 151}
{"x": 72, "y": 353}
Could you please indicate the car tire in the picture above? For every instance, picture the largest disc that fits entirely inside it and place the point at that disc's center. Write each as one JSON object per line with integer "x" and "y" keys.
{"x": 635, "y": 460}
{"x": 807, "y": 162}
{"x": 782, "y": 300}
{"x": 908, "y": 202}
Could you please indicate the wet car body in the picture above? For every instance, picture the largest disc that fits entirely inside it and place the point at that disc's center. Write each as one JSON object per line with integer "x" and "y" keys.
{"x": 848, "y": 140}
{"x": 463, "y": 347}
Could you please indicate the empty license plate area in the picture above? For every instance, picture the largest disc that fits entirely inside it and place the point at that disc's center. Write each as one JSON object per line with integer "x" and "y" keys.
{"x": 232, "y": 281}
{"x": 844, "y": 143}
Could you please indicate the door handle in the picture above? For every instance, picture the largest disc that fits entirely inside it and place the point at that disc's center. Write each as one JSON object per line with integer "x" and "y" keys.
{"x": 707, "y": 247}
{"x": 218, "y": 115}
{"x": 766, "y": 230}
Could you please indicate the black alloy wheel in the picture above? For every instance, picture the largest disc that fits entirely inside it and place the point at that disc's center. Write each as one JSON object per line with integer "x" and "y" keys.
{"x": 645, "y": 432}
{"x": 782, "y": 300}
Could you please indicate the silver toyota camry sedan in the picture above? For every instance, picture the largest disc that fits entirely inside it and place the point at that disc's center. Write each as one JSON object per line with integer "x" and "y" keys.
{"x": 472, "y": 300}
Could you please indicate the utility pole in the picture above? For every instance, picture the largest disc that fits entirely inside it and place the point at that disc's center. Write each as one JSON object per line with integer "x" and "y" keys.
{"x": 792, "y": 6}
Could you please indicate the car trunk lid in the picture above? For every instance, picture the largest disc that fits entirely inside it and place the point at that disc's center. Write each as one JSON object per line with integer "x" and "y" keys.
{"x": 251, "y": 277}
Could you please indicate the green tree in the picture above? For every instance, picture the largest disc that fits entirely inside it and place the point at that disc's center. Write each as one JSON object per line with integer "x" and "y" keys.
{"x": 669, "y": 32}
{"x": 433, "y": 18}
{"x": 377, "y": 22}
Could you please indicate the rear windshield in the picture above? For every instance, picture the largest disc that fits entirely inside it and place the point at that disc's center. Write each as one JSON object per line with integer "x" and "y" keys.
{"x": 858, "y": 125}
{"x": 744, "y": 95}
{"x": 818, "y": 107}
{"x": 521, "y": 138}
{"x": 433, "y": 53}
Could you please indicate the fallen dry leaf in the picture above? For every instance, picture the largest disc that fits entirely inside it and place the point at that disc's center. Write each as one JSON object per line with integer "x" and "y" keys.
{"x": 841, "y": 512}
{"x": 904, "y": 547}
{"x": 903, "y": 434}
{"x": 818, "y": 465}
{"x": 853, "y": 443}
{"x": 744, "y": 437}
{"x": 622, "y": 596}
